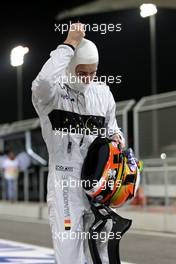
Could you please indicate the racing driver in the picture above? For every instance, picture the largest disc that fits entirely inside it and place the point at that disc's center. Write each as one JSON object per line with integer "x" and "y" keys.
{"x": 73, "y": 110}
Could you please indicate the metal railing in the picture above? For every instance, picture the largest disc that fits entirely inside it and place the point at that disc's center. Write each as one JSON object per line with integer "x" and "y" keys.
{"x": 122, "y": 110}
{"x": 155, "y": 126}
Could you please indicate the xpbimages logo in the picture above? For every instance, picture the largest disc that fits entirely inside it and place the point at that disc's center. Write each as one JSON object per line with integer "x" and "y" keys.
{"x": 68, "y": 182}
{"x": 81, "y": 235}
{"x": 102, "y": 28}
{"x": 103, "y": 79}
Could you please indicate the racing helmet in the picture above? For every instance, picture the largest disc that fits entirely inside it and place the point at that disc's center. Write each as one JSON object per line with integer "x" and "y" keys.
{"x": 110, "y": 175}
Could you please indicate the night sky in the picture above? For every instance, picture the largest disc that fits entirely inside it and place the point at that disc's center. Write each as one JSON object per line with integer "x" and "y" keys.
{"x": 125, "y": 53}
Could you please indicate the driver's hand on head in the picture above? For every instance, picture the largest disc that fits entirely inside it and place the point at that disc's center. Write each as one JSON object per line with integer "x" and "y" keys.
{"x": 76, "y": 34}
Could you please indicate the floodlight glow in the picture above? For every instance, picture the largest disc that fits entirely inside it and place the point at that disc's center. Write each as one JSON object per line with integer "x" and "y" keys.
{"x": 17, "y": 55}
{"x": 163, "y": 156}
{"x": 148, "y": 10}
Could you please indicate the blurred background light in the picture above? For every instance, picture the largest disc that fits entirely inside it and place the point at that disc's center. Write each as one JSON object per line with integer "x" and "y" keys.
{"x": 148, "y": 10}
{"x": 17, "y": 55}
{"x": 163, "y": 156}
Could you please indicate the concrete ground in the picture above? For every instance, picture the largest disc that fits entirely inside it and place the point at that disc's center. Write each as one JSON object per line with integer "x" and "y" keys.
{"x": 136, "y": 246}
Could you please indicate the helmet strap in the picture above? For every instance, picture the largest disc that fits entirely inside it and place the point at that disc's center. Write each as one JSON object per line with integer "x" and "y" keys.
{"x": 120, "y": 225}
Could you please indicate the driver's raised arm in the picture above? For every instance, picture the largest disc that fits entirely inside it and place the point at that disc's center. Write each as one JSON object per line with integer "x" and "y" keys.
{"x": 45, "y": 85}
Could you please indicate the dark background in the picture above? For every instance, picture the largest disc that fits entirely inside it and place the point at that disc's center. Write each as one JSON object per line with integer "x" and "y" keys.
{"x": 125, "y": 53}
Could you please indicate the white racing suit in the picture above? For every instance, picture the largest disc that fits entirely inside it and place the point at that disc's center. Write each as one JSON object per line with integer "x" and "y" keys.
{"x": 58, "y": 107}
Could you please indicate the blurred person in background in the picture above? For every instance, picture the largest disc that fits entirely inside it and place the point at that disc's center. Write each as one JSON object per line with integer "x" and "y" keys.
{"x": 2, "y": 158}
{"x": 10, "y": 172}
{"x": 24, "y": 161}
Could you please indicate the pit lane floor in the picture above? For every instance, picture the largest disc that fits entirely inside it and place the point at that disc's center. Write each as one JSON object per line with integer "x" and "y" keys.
{"x": 136, "y": 247}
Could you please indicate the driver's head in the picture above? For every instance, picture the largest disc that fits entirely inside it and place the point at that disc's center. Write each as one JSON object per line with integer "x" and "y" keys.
{"x": 86, "y": 72}
{"x": 83, "y": 65}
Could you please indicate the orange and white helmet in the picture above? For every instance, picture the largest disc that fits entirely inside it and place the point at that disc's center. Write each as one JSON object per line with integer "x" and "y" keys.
{"x": 107, "y": 176}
